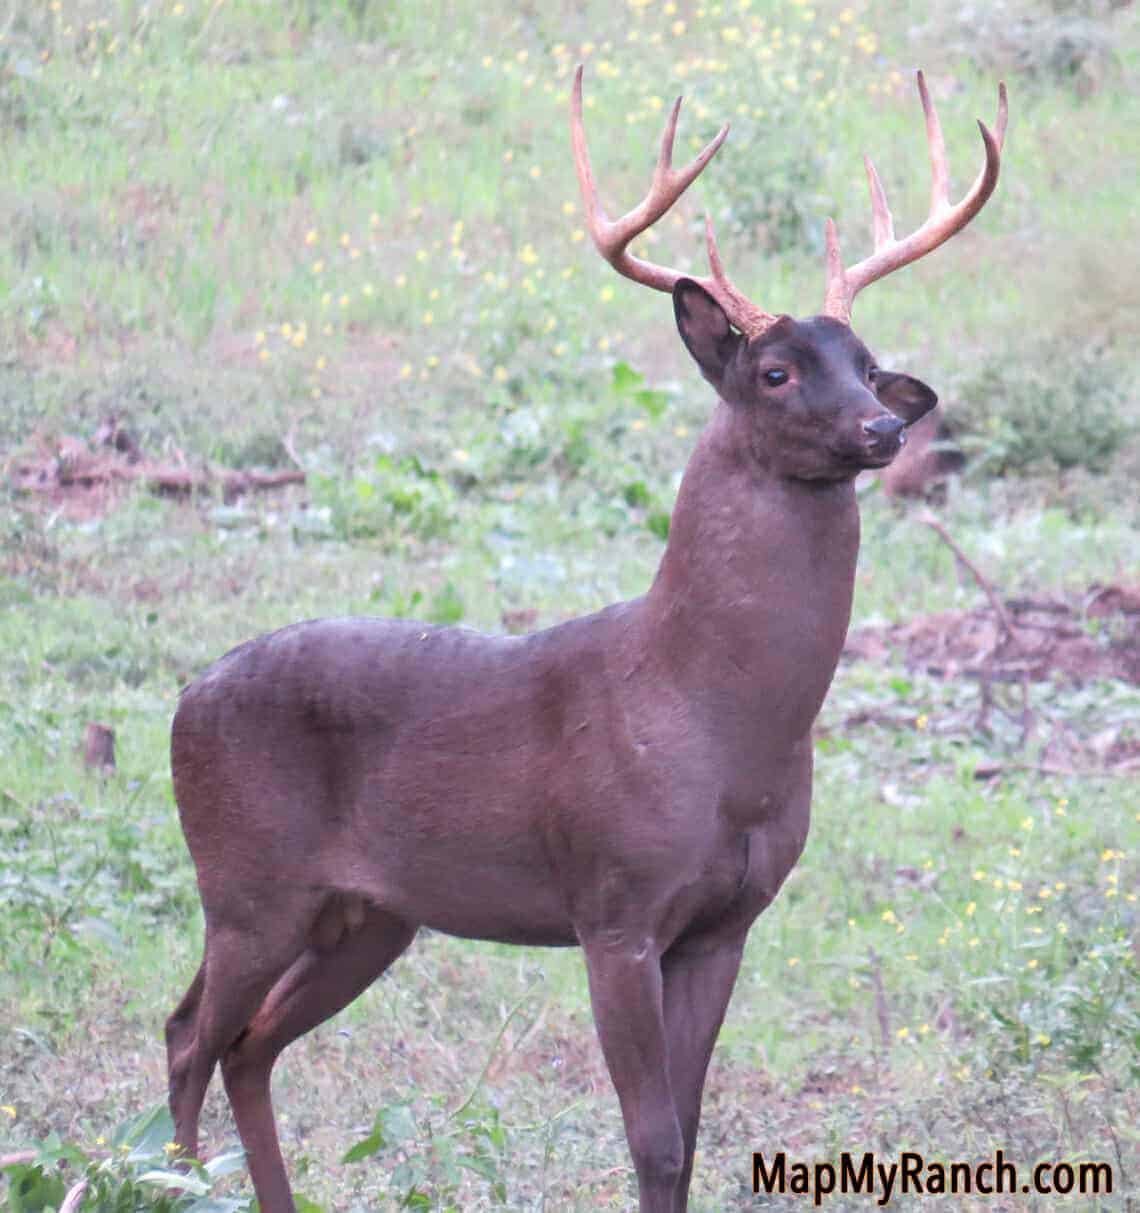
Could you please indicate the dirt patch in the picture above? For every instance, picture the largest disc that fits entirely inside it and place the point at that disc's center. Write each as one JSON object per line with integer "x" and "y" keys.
{"x": 1021, "y": 654}
{"x": 1078, "y": 638}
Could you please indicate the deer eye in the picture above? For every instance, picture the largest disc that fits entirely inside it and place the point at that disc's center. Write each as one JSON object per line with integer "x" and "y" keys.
{"x": 775, "y": 377}
{"x": 872, "y": 374}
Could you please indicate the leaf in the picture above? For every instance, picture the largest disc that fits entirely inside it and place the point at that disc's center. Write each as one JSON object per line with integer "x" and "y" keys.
{"x": 31, "y": 1190}
{"x": 397, "y": 1123}
{"x": 659, "y": 524}
{"x": 364, "y": 1148}
{"x": 175, "y": 1181}
{"x": 481, "y": 1164}
{"x": 226, "y": 1163}
{"x": 652, "y": 402}
{"x": 636, "y": 494}
{"x": 626, "y": 379}
{"x": 52, "y": 1150}
{"x": 147, "y": 1133}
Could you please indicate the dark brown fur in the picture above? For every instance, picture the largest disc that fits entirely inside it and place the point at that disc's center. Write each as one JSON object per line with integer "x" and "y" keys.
{"x": 636, "y": 782}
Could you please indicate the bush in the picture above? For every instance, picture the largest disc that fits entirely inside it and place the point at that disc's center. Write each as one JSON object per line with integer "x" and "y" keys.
{"x": 1043, "y": 405}
{"x": 1049, "y": 40}
{"x": 390, "y": 499}
{"x": 130, "y": 1174}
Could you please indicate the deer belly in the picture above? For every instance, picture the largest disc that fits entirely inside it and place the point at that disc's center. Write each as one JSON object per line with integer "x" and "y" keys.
{"x": 463, "y": 854}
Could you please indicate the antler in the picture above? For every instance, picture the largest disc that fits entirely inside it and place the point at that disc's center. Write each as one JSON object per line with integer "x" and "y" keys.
{"x": 612, "y": 237}
{"x": 942, "y": 223}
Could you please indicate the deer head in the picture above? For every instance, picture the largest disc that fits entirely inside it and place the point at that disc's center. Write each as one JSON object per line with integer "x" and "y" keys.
{"x": 809, "y": 400}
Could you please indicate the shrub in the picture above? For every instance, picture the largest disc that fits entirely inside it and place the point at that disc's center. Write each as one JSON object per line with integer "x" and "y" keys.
{"x": 390, "y": 499}
{"x": 131, "y": 1174}
{"x": 1044, "y": 405}
{"x": 1057, "y": 41}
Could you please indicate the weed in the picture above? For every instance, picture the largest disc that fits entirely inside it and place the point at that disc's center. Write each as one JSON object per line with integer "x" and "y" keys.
{"x": 129, "y": 1173}
{"x": 390, "y": 500}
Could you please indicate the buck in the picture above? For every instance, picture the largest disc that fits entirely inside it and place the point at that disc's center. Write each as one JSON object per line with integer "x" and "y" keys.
{"x": 635, "y": 783}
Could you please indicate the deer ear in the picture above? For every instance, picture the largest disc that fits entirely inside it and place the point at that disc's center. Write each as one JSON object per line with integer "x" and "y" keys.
{"x": 905, "y": 396}
{"x": 705, "y": 329}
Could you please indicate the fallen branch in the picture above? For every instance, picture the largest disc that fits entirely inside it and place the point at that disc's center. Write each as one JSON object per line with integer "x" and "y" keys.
{"x": 993, "y": 770}
{"x": 74, "y": 1198}
{"x": 87, "y": 471}
{"x": 20, "y": 1159}
{"x": 928, "y": 519}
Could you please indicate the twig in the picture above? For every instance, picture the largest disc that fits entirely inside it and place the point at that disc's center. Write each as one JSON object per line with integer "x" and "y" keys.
{"x": 74, "y": 1198}
{"x": 991, "y": 770}
{"x": 882, "y": 1012}
{"x": 290, "y": 449}
{"x": 928, "y": 519}
{"x": 157, "y": 477}
{"x": 550, "y": 1120}
{"x": 456, "y": 1112}
{"x": 20, "y": 1159}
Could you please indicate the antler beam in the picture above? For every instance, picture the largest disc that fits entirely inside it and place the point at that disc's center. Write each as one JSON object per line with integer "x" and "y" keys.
{"x": 612, "y": 237}
{"x": 943, "y": 221}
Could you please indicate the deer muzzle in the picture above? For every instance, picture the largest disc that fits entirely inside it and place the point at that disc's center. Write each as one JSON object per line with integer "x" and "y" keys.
{"x": 885, "y": 435}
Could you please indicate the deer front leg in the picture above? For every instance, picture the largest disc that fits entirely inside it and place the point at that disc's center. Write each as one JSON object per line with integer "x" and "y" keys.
{"x": 625, "y": 990}
{"x": 698, "y": 982}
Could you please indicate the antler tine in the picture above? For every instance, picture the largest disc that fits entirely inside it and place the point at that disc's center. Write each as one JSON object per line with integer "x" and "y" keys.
{"x": 747, "y": 317}
{"x": 612, "y": 237}
{"x": 943, "y": 221}
{"x": 939, "y": 169}
{"x": 881, "y": 217}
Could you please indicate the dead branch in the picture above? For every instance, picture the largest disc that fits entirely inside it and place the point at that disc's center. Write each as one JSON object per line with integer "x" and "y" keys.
{"x": 74, "y": 1198}
{"x": 86, "y": 471}
{"x": 928, "y": 519}
{"x": 993, "y": 770}
{"x": 21, "y": 1158}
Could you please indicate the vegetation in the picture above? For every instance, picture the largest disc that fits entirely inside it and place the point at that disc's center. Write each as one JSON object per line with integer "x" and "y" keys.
{"x": 346, "y": 235}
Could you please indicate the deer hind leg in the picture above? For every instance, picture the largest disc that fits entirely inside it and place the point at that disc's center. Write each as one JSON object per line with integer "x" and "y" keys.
{"x": 187, "y": 1085}
{"x": 350, "y": 946}
{"x": 239, "y": 968}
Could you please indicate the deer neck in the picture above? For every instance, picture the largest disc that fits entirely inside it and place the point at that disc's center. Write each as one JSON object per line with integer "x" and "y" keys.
{"x": 750, "y": 606}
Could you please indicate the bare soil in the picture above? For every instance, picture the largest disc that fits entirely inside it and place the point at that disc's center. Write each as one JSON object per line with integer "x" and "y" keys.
{"x": 1077, "y": 638}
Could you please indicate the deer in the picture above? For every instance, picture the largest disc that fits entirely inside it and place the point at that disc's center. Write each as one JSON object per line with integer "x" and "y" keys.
{"x": 635, "y": 783}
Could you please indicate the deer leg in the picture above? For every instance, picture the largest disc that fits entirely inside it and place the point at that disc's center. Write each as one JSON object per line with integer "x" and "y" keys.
{"x": 323, "y": 980}
{"x": 625, "y": 990}
{"x": 185, "y": 1095}
{"x": 697, "y": 985}
{"x": 238, "y": 970}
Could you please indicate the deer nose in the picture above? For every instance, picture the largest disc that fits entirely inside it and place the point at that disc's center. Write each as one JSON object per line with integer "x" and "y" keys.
{"x": 887, "y": 426}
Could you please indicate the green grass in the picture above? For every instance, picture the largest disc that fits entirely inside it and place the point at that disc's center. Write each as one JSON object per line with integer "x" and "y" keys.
{"x": 353, "y": 229}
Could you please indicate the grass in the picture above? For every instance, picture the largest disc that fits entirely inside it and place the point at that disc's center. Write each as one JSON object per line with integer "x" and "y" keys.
{"x": 353, "y": 230}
